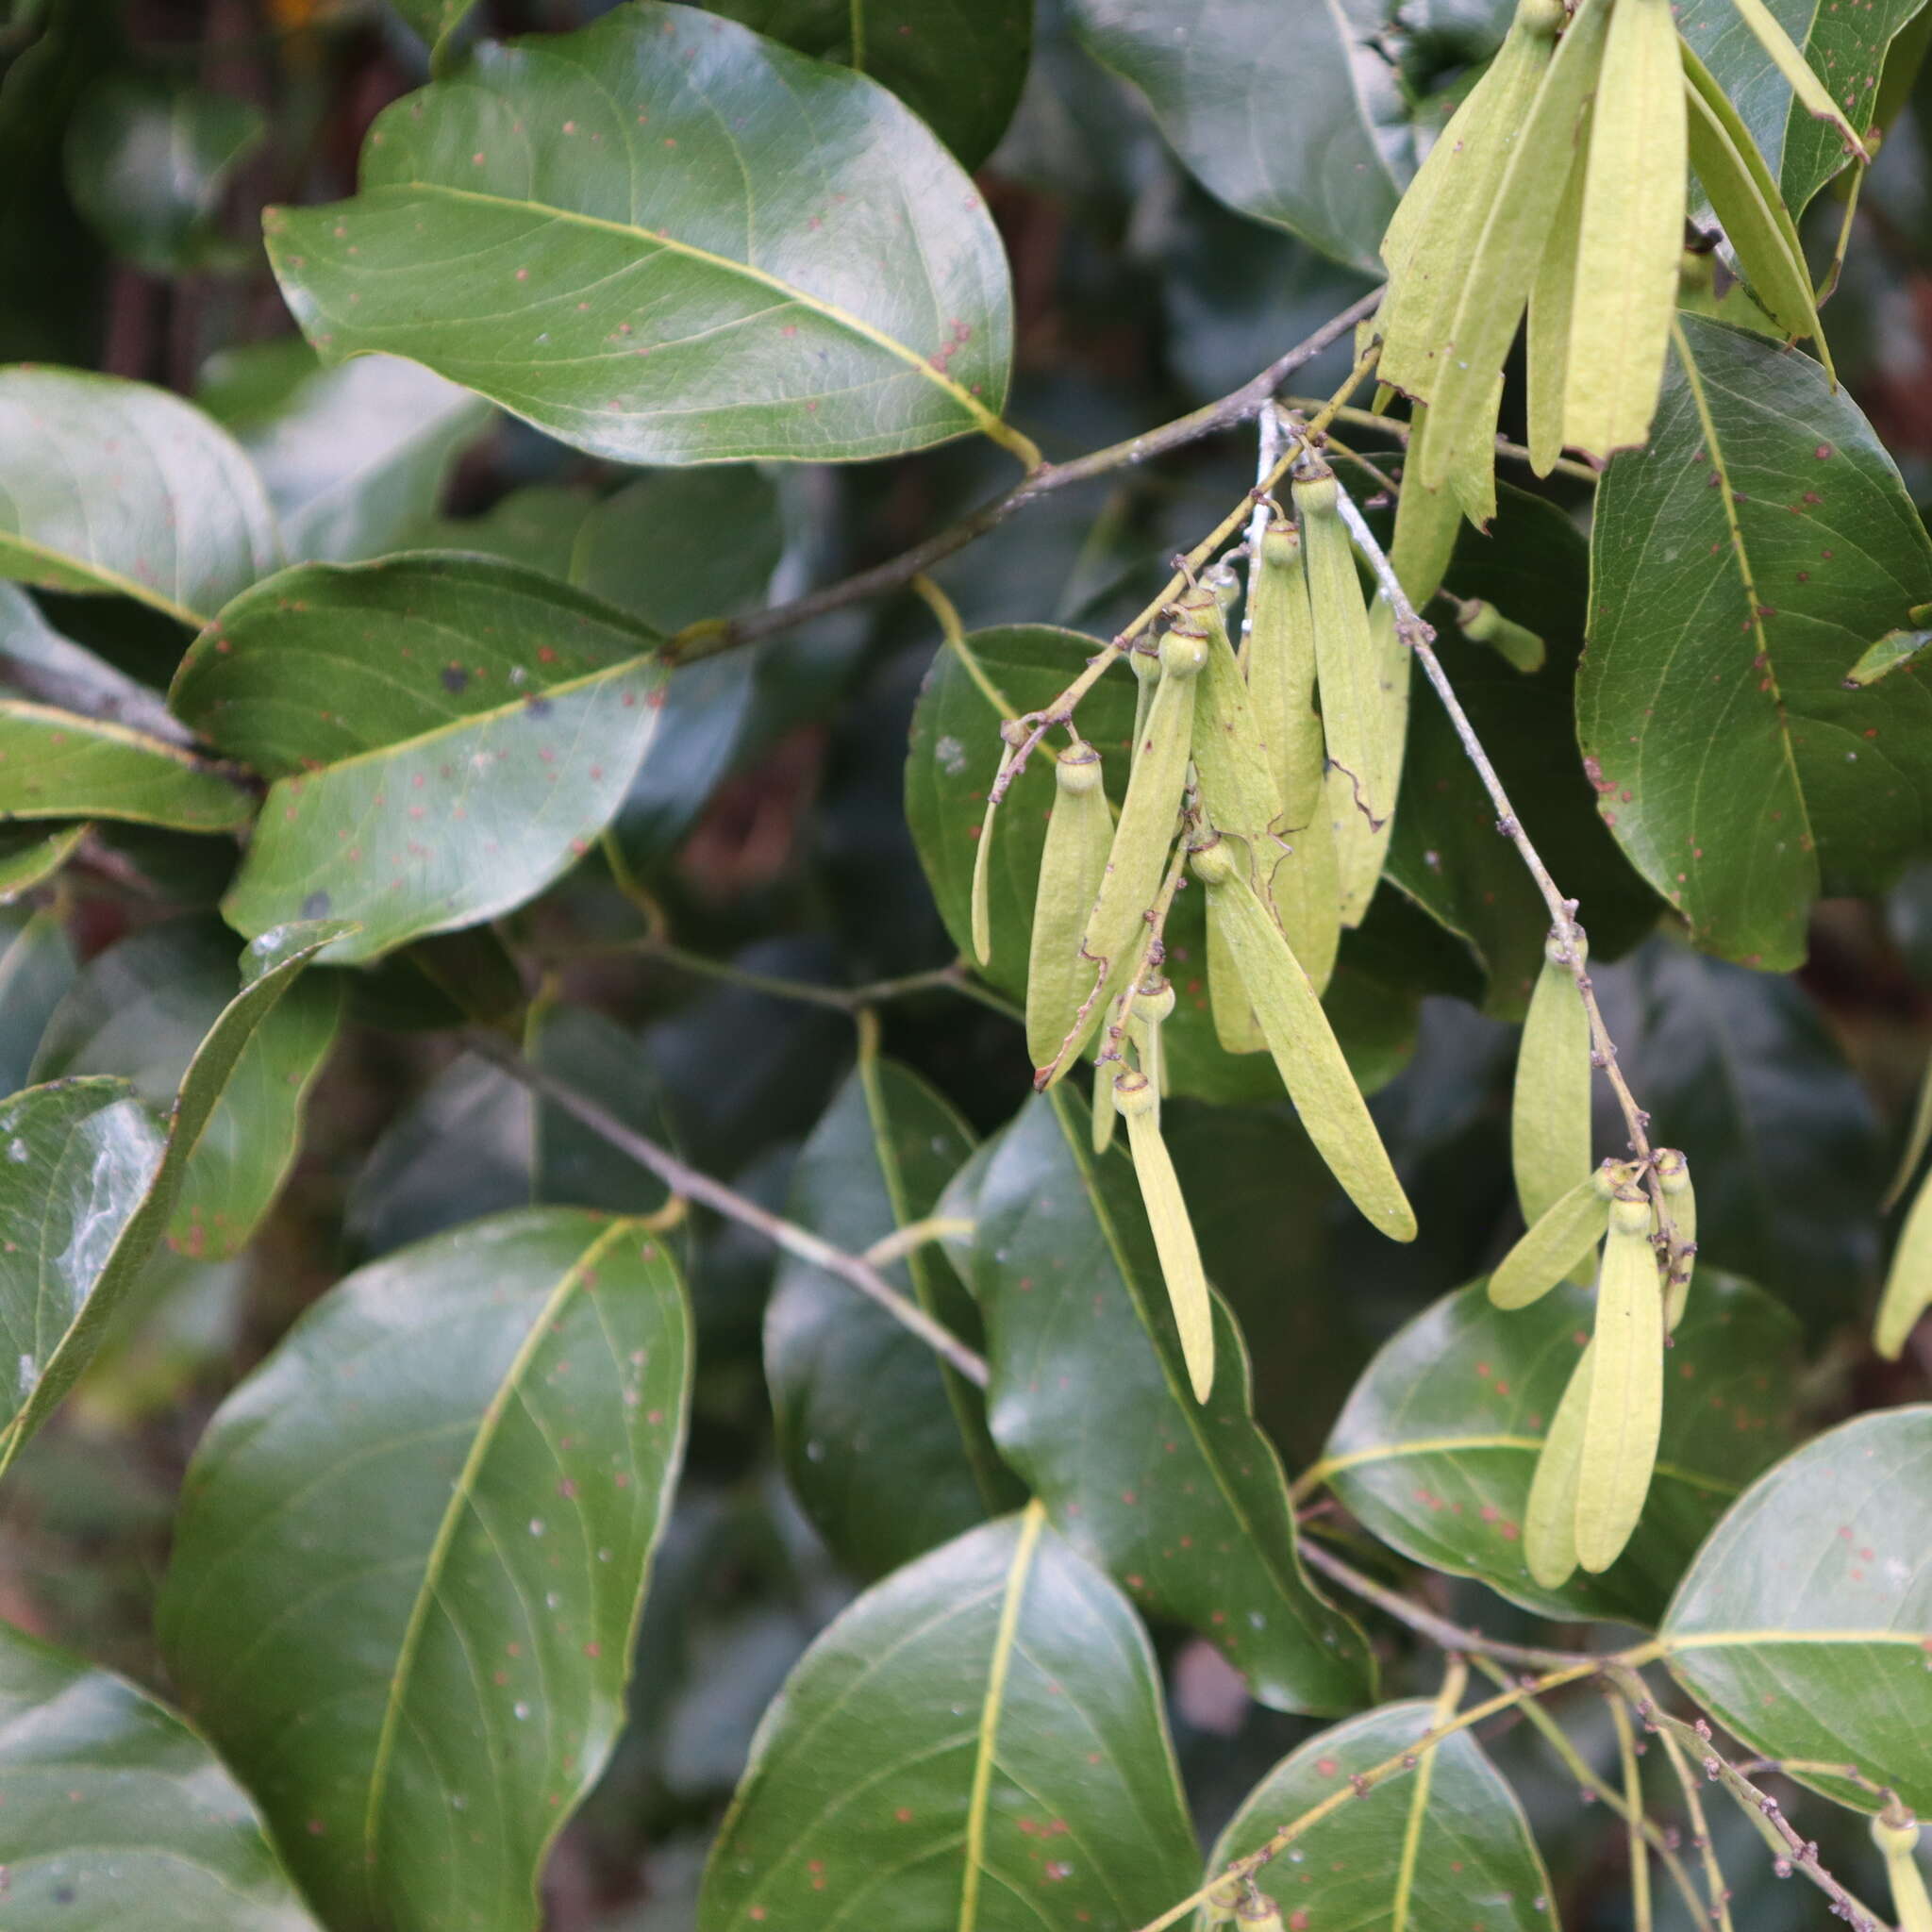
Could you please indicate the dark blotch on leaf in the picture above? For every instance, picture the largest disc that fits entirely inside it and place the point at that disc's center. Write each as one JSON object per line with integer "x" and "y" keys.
{"x": 538, "y": 708}
{"x": 455, "y": 677}
{"x": 315, "y": 906}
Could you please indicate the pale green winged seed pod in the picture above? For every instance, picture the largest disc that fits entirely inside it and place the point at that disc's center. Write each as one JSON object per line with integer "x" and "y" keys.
{"x": 1627, "y": 1390}
{"x": 1916, "y": 1142}
{"x": 1145, "y": 830}
{"x": 1238, "y": 790}
{"x": 1483, "y": 623}
{"x": 1236, "y": 1028}
{"x": 1079, "y": 830}
{"x": 1153, "y": 1003}
{"x": 1898, "y": 1842}
{"x": 1631, "y": 234}
{"x": 1549, "y": 1116}
{"x": 1174, "y": 1233}
{"x": 1680, "y": 1202}
{"x": 1306, "y": 1055}
{"x": 1908, "y": 1284}
{"x": 1552, "y": 305}
{"x": 1105, "y": 1114}
{"x": 1306, "y": 895}
{"x": 1146, "y": 662}
{"x": 1561, "y": 1240}
{"x": 1549, "y": 1520}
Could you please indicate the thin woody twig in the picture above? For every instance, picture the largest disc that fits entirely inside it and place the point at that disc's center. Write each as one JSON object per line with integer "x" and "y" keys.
{"x": 686, "y": 1180}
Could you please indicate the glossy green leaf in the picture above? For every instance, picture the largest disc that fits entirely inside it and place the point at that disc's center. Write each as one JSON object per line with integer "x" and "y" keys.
{"x": 57, "y": 764}
{"x": 30, "y": 855}
{"x": 112, "y": 486}
{"x": 1435, "y": 1449}
{"x": 411, "y": 1554}
{"x": 575, "y": 229}
{"x": 1845, "y": 46}
{"x": 1280, "y": 110}
{"x": 570, "y": 1164}
{"x": 1742, "y": 1071}
{"x": 1805, "y": 1626}
{"x": 447, "y": 735}
{"x": 37, "y": 967}
{"x": 102, "y": 1187}
{"x": 1740, "y": 564}
{"x": 1184, "y": 1503}
{"x": 139, "y": 1010}
{"x": 1442, "y": 1838}
{"x": 885, "y": 1449}
{"x": 148, "y": 160}
{"x": 114, "y": 1813}
{"x": 957, "y": 64}
{"x": 1533, "y": 567}
{"x": 353, "y": 457}
{"x": 977, "y": 1741}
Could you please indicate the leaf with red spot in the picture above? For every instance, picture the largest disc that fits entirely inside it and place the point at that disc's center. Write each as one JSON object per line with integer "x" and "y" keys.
{"x": 1740, "y": 565}
{"x": 1434, "y": 1450}
{"x": 977, "y": 1741}
{"x": 411, "y": 1554}
{"x": 447, "y": 736}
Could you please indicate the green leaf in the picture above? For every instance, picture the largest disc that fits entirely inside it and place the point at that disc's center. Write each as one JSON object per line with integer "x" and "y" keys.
{"x": 1435, "y": 1449}
{"x": 113, "y": 1812}
{"x": 885, "y": 1449}
{"x": 575, "y": 229}
{"x": 353, "y": 457}
{"x": 1845, "y": 46}
{"x": 37, "y": 967}
{"x": 411, "y": 1554}
{"x": 1440, "y": 1840}
{"x": 139, "y": 1010}
{"x": 1805, "y": 1626}
{"x": 148, "y": 161}
{"x": 569, "y": 1163}
{"x": 1741, "y": 1070}
{"x": 1740, "y": 564}
{"x": 1533, "y": 566}
{"x": 1184, "y": 1503}
{"x": 1280, "y": 110}
{"x": 112, "y": 486}
{"x": 958, "y": 64}
{"x": 979, "y": 1741}
{"x": 434, "y": 21}
{"x": 105, "y": 1185}
{"x": 29, "y": 856}
{"x": 58, "y": 765}
{"x": 448, "y": 735}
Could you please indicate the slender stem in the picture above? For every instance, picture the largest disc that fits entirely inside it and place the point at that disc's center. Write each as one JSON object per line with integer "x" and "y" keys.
{"x": 1640, "y": 1916}
{"x": 1401, "y": 432}
{"x": 1235, "y": 408}
{"x": 1719, "y": 1911}
{"x": 686, "y": 1180}
{"x": 1453, "y": 1636}
{"x": 913, "y": 1236}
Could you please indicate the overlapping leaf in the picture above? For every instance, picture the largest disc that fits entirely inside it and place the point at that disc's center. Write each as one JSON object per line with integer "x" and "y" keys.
{"x": 36, "y": 969}
{"x": 977, "y": 1741}
{"x": 112, "y": 486}
{"x": 29, "y": 856}
{"x": 1805, "y": 1626}
{"x": 113, "y": 1812}
{"x": 447, "y": 735}
{"x": 1434, "y": 1450}
{"x": 1740, "y": 564}
{"x": 98, "y": 1185}
{"x": 580, "y": 229}
{"x": 57, "y": 764}
{"x": 1280, "y": 110}
{"x": 1420, "y": 1850}
{"x": 410, "y": 1558}
{"x": 884, "y": 1447}
{"x": 1184, "y": 1503}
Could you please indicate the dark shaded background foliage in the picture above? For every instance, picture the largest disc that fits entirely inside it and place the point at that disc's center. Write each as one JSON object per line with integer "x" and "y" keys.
{"x": 1136, "y": 297}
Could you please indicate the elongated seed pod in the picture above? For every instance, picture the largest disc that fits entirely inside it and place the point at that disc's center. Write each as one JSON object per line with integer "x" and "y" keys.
{"x": 1305, "y": 893}
{"x": 1281, "y": 677}
{"x": 1627, "y": 1391}
{"x": 1915, "y": 1144}
{"x": 1428, "y": 523}
{"x": 1898, "y": 1843}
{"x": 1105, "y": 1114}
{"x": 1231, "y": 760}
{"x": 1680, "y": 1202}
{"x": 1174, "y": 1233}
{"x": 1426, "y": 243}
{"x": 1515, "y": 233}
{"x": 1152, "y": 1004}
{"x": 1237, "y": 1027}
{"x": 982, "y": 866}
{"x": 1299, "y": 1036}
{"x": 1072, "y": 863}
{"x": 1631, "y": 234}
{"x": 1552, "y": 305}
{"x": 1908, "y": 1284}
{"x": 1364, "y": 686}
{"x": 1549, "y": 1521}
{"x": 1549, "y": 1115}
{"x": 1483, "y": 623}
{"x": 1560, "y": 1241}
{"x": 1747, "y": 202}
{"x": 1141, "y": 841}
{"x": 1146, "y": 660}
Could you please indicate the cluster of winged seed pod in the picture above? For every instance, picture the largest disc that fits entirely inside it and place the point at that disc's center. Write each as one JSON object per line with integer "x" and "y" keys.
{"x": 1598, "y": 1455}
{"x": 1558, "y": 191}
{"x": 1237, "y": 777}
